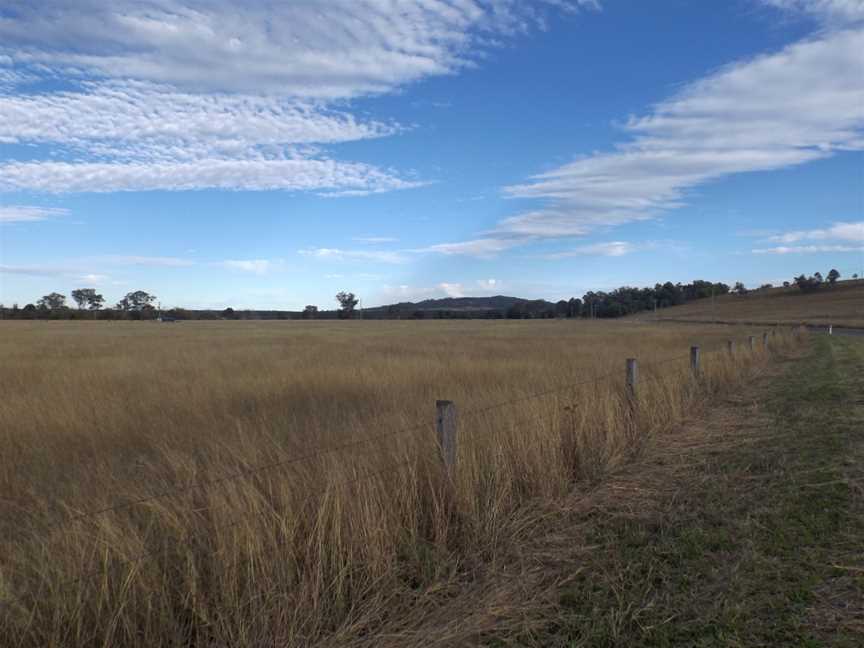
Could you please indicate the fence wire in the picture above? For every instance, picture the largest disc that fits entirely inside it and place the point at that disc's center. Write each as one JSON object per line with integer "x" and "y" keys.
{"x": 321, "y": 452}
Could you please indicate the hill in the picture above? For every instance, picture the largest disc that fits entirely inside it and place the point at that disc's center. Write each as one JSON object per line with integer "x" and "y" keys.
{"x": 498, "y": 303}
{"x": 841, "y": 305}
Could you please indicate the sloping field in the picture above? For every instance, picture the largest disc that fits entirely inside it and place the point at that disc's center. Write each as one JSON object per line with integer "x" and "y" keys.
{"x": 839, "y": 305}
{"x": 279, "y": 483}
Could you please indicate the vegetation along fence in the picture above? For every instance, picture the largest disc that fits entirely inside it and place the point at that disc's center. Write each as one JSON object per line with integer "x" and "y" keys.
{"x": 446, "y": 428}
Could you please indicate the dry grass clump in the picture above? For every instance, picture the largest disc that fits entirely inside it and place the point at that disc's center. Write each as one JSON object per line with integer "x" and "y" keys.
{"x": 243, "y": 483}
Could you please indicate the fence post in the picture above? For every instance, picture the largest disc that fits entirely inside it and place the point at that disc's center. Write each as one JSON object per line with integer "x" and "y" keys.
{"x": 765, "y": 340}
{"x": 830, "y": 329}
{"x": 445, "y": 426}
{"x": 632, "y": 380}
{"x": 694, "y": 360}
{"x": 730, "y": 346}
{"x": 752, "y": 341}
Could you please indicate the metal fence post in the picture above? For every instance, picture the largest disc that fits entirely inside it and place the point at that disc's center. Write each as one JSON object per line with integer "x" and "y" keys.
{"x": 445, "y": 426}
{"x": 765, "y": 340}
{"x": 695, "y": 354}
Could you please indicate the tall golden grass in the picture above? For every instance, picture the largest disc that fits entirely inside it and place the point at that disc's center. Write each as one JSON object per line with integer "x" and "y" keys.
{"x": 245, "y": 484}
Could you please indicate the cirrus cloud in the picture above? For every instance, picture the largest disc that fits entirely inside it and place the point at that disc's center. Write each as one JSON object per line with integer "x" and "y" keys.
{"x": 837, "y": 232}
{"x": 29, "y": 214}
{"x": 809, "y": 249}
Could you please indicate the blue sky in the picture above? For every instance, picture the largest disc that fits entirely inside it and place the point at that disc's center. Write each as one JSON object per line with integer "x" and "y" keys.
{"x": 268, "y": 155}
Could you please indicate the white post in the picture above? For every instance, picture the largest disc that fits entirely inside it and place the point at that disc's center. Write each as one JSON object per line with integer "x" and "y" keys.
{"x": 830, "y": 329}
{"x": 445, "y": 426}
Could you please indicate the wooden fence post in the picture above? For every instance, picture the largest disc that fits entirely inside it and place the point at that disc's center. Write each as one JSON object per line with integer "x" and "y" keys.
{"x": 445, "y": 426}
{"x": 765, "y": 340}
{"x": 752, "y": 341}
{"x": 694, "y": 360}
{"x": 632, "y": 380}
{"x": 730, "y": 346}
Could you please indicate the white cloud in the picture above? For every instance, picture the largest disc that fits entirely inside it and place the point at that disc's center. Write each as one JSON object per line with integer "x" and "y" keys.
{"x": 336, "y": 254}
{"x": 126, "y": 136}
{"x": 405, "y": 292}
{"x": 147, "y": 261}
{"x": 837, "y": 232}
{"x": 55, "y": 271}
{"x": 255, "y": 266}
{"x": 33, "y": 271}
{"x": 809, "y": 249}
{"x": 455, "y": 289}
{"x": 778, "y": 110}
{"x": 183, "y": 94}
{"x": 611, "y": 248}
{"x": 452, "y": 289}
{"x": 333, "y": 49}
{"x": 249, "y": 174}
{"x": 139, "y": 120}
{"x": 94, "y": 278}
{"x": 29, "y": 214}
{"x": 485, "y": 247}
{"x": 830, "y": 11}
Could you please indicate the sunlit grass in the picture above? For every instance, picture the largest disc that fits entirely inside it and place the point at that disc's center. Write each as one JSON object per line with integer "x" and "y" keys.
{"x": 224, "y": 552}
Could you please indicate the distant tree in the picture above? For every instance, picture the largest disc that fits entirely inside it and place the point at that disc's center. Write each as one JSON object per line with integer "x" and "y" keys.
{"x": 833, "y": 276}
{"x": 562, "y": 308}
{"x": 574, "y": 307}
{"x": 52, "y": 301}
{"x": 740, "y": 288}
{"x": 179, "y": 313}
{"x": 517, "y": 311}
{"x": 818, "y": 277}
{"x": 347, "y": 303}
{"x": 229, "y": 313}
{"x": 855, "y": 276}
{"x": 136, "y": 301}
{"x": 88, "y": 298}
{"x": 29, "y": 311}
{"x": 766, "y": 286}
{"x": 808, "y": 284}
{"x": 310, "y": 312}
{"x": 786, "y": 284}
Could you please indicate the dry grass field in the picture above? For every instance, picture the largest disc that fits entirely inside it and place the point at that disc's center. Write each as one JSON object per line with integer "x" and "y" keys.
{"x": 839, "y": 305}
{"x": 278, "y": 483}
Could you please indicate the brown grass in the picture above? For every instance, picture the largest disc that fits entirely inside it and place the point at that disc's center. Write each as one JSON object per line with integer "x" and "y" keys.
{"x": 309, "y": 550}
{"x": 840, "y": 305}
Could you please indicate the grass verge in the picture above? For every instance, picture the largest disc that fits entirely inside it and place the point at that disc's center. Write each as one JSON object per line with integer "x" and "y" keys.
{"x": 752, "y": 538}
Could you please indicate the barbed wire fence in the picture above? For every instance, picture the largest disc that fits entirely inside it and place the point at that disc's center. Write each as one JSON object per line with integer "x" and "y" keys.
{"x": 446, "y": 442}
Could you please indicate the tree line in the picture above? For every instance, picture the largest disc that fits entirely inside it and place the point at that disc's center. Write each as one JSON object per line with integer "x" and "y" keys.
{"x": 141, "y": 305}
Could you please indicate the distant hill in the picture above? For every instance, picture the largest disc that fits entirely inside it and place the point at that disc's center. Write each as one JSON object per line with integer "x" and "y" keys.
{"x": 841, "y": 305}
{"x": 499, "y": 303}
